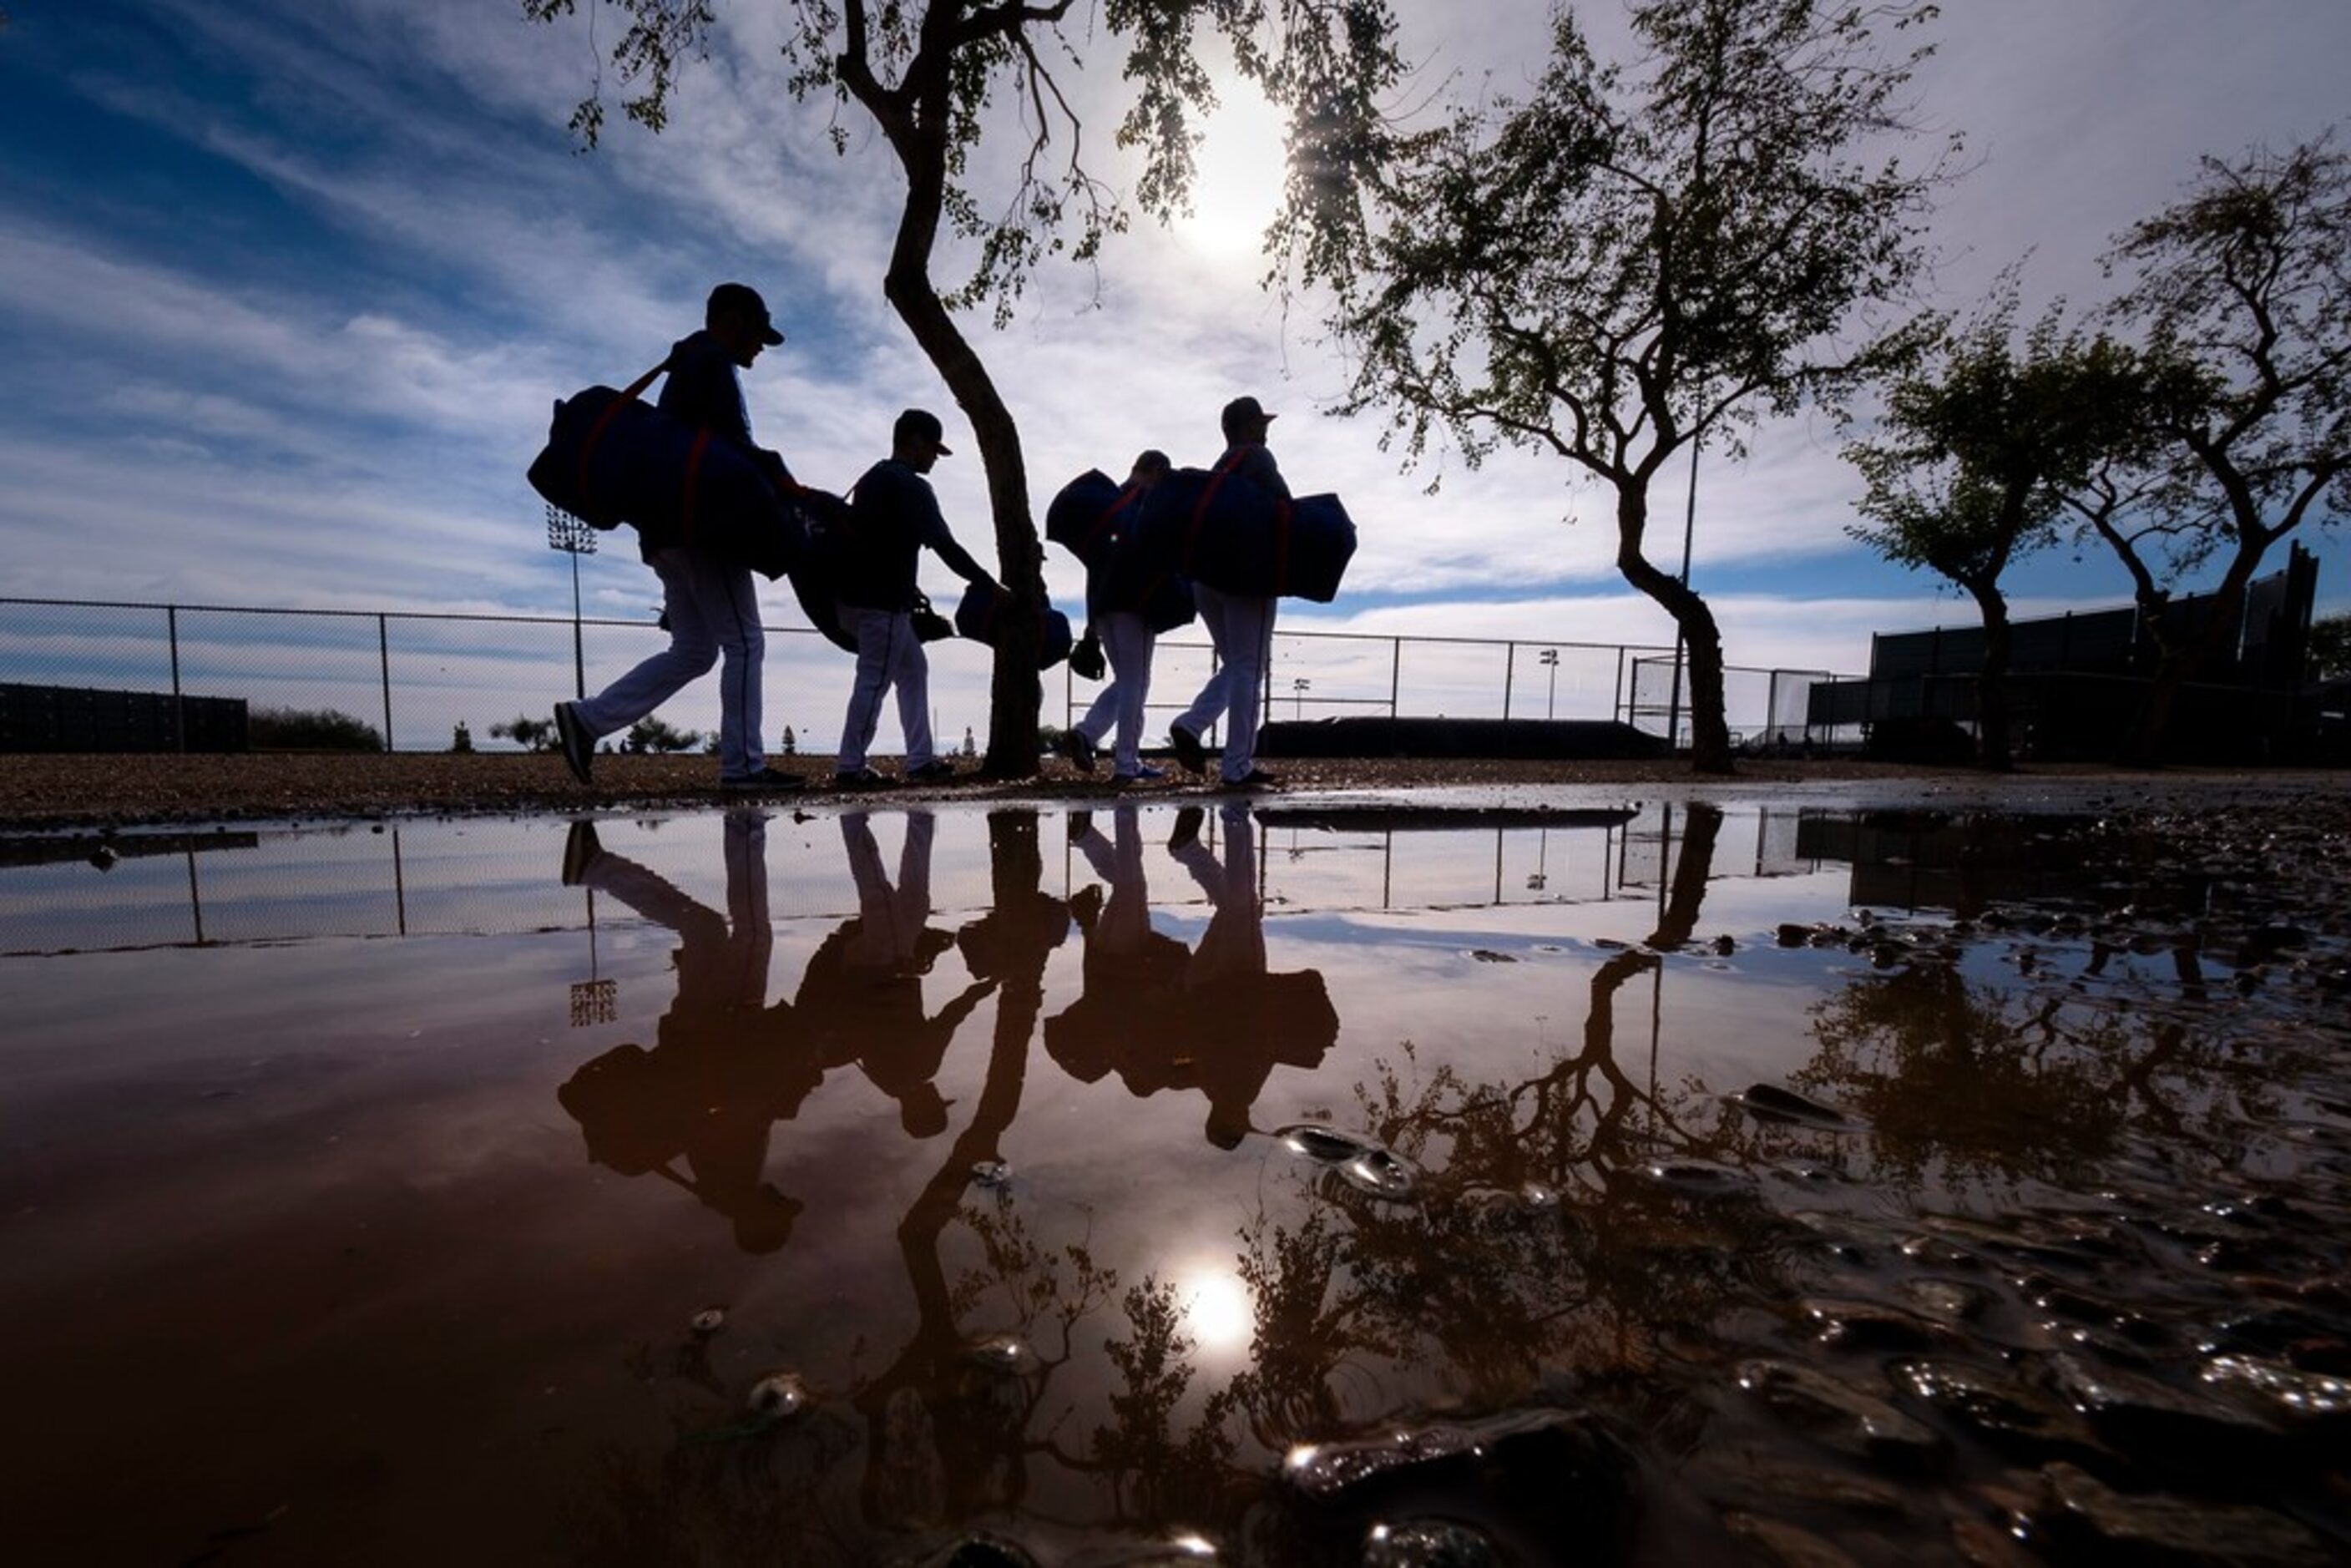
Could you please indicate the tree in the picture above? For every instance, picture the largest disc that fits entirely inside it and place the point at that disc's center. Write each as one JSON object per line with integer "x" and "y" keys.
{"x": 1979, "y": 443}
{"x": 2330, "y": 647}
{"x": 1624, "y": 264}
{"x": 931, "y": 75}
{"x": 530, "y": 734}
{"x": 652, "y": 733}
{"x": 310, "y": 729}
{"x": 2242, "y": 296}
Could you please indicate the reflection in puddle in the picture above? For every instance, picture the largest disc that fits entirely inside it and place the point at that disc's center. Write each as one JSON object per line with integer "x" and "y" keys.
{"x": 1666, "y": 1183}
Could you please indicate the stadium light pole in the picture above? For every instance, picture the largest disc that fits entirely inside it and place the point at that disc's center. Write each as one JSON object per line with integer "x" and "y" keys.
{"x": 1550, "y": 699}
{"x": 575, "y": 538}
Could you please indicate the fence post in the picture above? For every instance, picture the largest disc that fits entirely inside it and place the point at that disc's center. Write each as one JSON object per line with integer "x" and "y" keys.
{"x": 1395, "y": 690}
{"x": 1624, "y": 713}
{"x": 1509, "y": 668}
{"x": 179, "y": 703}
{"x": 383, "y": 653}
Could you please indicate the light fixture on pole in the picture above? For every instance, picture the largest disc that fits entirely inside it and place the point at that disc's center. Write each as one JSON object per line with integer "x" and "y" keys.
{"x": 1298, "y": 690}
{"x": 1550, "y": 656}
{"x": 575, "y": 538}
{"x": 595, "y": 999}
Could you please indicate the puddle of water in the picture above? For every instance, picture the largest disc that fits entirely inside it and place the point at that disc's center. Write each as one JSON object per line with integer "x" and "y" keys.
{"x": 1293, "y": 1186}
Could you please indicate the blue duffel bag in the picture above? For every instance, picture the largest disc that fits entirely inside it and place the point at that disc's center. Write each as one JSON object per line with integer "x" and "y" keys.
{"x": 611, "y": 458}
{"x": 814, "y": 574}
{"x": 1239, "y": 538}
{"x": 981, "y": 616}
{"x": 1153, "y": 590}
{"x": 1082, "y": 517}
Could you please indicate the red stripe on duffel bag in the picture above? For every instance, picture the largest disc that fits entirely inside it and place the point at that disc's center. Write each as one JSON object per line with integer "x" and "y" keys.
{"x": 1200, "y": 509}
{"x": 629, "y": 394}
{"x": 1109, "y": 512}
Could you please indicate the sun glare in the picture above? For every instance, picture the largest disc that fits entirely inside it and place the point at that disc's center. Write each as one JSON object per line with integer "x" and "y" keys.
{"x": 1239, "y": 175}
{"x": 1217, "y": 1312}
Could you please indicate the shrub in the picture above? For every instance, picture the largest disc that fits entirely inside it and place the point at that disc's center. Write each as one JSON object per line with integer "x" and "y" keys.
{"x": 309, "y": 729}
{"x": 530, "y": 734}
{"x": 650, "y": 734}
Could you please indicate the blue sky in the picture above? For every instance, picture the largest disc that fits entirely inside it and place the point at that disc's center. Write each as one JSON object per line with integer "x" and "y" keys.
{"x": 286, "y": 289}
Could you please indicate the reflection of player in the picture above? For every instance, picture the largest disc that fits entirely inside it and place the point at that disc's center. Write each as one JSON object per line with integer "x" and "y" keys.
{"x": 1249, "y": 1020}
{"x": 1228, "y": 1023}
{"x": 724, "y": 1066}
{"x": 862, "y": 997}
{"x": 1131, "y": 1010}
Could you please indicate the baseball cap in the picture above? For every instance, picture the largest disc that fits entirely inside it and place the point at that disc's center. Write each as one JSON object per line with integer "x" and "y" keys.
{"x": 921, "y": 423}
{"x": 730, "y": 298}
{"x": 1242, "y": 410}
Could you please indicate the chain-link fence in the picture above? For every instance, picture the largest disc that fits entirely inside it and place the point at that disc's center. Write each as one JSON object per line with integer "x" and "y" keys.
{"x": 408, "y": 681}
{"x": 1766, "y": 710}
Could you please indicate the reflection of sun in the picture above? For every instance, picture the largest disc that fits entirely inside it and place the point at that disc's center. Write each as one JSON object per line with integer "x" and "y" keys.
{"x": 1238, "y": 174}
{"x": 1217, "y": 1313}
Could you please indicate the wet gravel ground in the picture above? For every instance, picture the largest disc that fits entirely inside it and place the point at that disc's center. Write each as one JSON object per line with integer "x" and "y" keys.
{"x": 80, "y": 791}
{"x": 2143, "y": 1355}
{"x": 2055, "y": 1267}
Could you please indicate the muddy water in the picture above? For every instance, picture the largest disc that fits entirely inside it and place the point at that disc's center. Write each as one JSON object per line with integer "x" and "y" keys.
{"x": 1649, "y": 1185}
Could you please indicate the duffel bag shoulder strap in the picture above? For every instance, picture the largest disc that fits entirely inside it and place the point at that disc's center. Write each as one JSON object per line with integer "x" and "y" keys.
{"x": 629, "y": 394}
{"x": 637, "y": 388}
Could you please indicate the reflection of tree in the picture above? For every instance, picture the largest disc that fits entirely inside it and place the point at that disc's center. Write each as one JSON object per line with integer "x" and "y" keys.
{"x": 1540, "y": 1249}
{"x": 1945, "y": 1075}
{"x": 1964, "y": 1080}
{"x": 947, "y": 1423}
{"x": 707, "y": 1502}
{"x": 1158, "y": 1474}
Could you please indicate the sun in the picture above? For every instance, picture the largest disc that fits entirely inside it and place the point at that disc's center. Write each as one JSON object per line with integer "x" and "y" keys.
{"x": 1218, "y": 1311}
{"x": 1237, "y": 175}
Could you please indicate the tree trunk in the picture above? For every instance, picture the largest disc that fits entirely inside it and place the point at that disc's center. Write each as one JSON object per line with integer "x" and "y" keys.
{"x": 1014, "y": 692}
{"x": 1994, "y": 749}
{"x": 918, "y": 128}
{"x": 2180, "y": 666}
{"x": 1701, "y": 639}
{"x": 1693, "y": 869}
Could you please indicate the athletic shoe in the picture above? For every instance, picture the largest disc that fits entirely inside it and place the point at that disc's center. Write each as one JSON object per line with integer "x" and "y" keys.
{"x": 582, "y": 850}
{"x": 579, "y": 746}
{"x": 1077, "y": 749}
{"x": 1143, "y": 774}
{"x": 1187, "y": 830}
{"x": 770, "y": 781}
{"x": 858, "y": 778}
{"x": 1188, "y": 749}
{"x": 931, "y": 772}
{"x": 1255, "y": 779}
